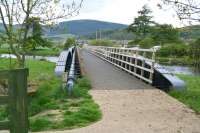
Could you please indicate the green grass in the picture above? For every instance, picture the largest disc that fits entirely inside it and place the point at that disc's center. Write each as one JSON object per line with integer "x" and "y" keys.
{"x": 191, "y": 96}
{"x": 77, "y": 110}
{"x": 38, "y": 52}
{"x": 51, "y": 107}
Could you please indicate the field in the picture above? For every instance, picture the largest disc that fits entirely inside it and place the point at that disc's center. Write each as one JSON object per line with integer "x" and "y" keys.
{"x": 191, "y": 96}
{"x": 39, "y": 52}
{"x": 51, "y": 107}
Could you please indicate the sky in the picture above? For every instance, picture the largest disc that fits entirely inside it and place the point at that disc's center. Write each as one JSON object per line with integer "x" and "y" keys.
{"x": 124, "y": 11}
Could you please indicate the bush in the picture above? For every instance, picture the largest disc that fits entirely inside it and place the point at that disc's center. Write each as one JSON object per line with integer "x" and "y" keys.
{"x": 69, "y": 43}
{"x": 147, "y": 42}
{"x": 173, "y": 49}
{"x": 101, "y": 43}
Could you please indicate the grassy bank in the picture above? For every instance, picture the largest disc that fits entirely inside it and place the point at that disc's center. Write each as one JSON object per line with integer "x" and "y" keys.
{"x": 38, "y": 52}
{"x": 191, "y": 96}
{"x": 50, "y": 107}
{"x": 175, "y": 61}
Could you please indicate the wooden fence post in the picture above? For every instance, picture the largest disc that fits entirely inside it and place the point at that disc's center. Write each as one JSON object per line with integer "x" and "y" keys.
{"x": 17, "y": 100}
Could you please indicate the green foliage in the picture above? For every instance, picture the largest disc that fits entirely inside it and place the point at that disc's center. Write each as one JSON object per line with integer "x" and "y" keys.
{"x": 195, "y": 52}
{"x": 147, "y": 42}
{"x": 102, "y": 43}
{"x": 74, "y": 111}
{"x": 142, "y": 24}
{"x": 173, "y": 50}
{"x": 40, "y": 124}
{"x": 191, "y": 96}
{"x": 38, "y": 51}
{"x": 165, "y": 34}
{"x": 36, "y": 39}
{"x": 69, "y": 43}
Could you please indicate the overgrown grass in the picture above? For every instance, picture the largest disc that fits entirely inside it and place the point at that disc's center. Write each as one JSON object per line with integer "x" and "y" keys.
{"x": 51, "y": 107}
{"x": 77, "y": 110}
{"x": 191, "y": 96}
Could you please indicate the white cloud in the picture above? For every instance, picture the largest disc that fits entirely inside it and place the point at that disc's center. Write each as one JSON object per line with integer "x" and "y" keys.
{"x": 124, "y": 11}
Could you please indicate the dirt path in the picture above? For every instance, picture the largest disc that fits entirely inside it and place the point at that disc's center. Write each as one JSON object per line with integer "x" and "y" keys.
{"x": 130, "y": 106}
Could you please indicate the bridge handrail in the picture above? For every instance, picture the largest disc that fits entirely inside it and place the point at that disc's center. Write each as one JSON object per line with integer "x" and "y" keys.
{"x": 131, "y": 60}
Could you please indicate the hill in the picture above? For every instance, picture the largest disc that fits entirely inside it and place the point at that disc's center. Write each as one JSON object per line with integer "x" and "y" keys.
{"x": 117, "y": 34}
{"x": 190, "y": 32}
{"x": 82, "y": 27}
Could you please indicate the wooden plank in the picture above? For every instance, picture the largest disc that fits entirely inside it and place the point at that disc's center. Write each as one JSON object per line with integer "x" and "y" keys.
{"x": 4, "y": 74}
{"x": 18, "y": 102}
{"x": 4, "y": 125}
{"x": 4, "y": 100}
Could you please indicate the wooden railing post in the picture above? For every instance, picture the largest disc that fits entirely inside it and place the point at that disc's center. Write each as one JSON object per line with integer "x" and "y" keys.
{"x": 16, "y": 100}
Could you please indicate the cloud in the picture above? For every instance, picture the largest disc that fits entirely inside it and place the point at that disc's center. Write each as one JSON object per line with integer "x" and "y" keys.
{"x": 124, "y": 11}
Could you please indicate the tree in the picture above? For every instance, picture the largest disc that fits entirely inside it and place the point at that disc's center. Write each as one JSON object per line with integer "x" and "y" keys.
{"x": 16, "y": 15}
{"x": 69, "y": 43}
{"x": 165, "y": 34}
{"x": 36, "y": 39}
{"x": 142, "y": 24}
{"x": 195, "y": 52}
{"x": 185, "y": 9}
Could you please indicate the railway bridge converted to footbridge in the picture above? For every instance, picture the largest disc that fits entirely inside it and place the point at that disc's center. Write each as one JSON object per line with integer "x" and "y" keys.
{"x": 138, "y": 63}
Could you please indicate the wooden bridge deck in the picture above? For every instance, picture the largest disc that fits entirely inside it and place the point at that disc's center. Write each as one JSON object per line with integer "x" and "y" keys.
{"x": 105, "y": 76}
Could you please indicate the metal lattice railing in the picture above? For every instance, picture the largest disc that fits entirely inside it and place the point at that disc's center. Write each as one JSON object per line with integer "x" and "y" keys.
{"x": 139, "y": 62}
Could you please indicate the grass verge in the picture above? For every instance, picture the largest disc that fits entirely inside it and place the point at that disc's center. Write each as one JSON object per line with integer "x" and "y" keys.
{"x": 191, "y": 96}
{"x": 37, "y": 52}
{"x": 51, "y": 108}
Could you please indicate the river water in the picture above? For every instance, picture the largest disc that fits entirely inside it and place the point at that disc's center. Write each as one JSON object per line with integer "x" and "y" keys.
{"x": 182, "y": 70}
{"x": 53, "y": 59}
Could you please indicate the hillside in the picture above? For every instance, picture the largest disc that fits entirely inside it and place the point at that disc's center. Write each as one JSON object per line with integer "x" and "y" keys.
{"x": 117, "y": 34}
{"x": 190, "y": 32}
{"x": 82, "y": 27}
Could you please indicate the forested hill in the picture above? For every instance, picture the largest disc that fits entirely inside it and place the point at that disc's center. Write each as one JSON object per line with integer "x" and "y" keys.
{"x": 190, "y": 32}
{"x": 83, "y": 27}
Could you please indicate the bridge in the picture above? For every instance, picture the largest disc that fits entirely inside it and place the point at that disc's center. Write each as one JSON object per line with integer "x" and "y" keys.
{"x": 140, "y": 63}
{"x": 130, "y": 102}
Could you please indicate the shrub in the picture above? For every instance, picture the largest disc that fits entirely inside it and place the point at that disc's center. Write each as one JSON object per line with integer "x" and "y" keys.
{"x": 101, "y": 43}
{"x": 147, "y": 42}
{"x": 173, "y": 49}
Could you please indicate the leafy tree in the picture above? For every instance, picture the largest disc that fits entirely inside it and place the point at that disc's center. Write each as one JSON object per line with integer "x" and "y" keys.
{"x": 195, "y": 52}
{"x": 165, "y": 34}
{"x": 69, "y": 43}
{"x": 185, "y": 9}
{"x": 36, "y": 39}
{"x": 141, "y": 26}
{"x": 147, "y": 42}
{"x": 173, "y": 50}
{"x": 20, "y": 12}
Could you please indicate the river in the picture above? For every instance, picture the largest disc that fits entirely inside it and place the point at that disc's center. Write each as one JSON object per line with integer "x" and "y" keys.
{"x": 53, "y": 59}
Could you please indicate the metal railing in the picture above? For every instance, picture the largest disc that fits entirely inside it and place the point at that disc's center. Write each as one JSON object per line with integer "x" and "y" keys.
{"x": 139, "y": 62}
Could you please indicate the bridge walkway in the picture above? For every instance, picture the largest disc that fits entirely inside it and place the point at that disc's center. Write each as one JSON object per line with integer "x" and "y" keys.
{"x": 105, "y": 76}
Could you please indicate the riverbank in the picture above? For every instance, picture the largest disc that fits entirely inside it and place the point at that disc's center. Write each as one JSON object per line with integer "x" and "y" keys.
{"x": 37, "y": 52}
{"x": 50, "y": 107}
{"x": 175, "y": 61}
{"x": 191, "y": 96}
